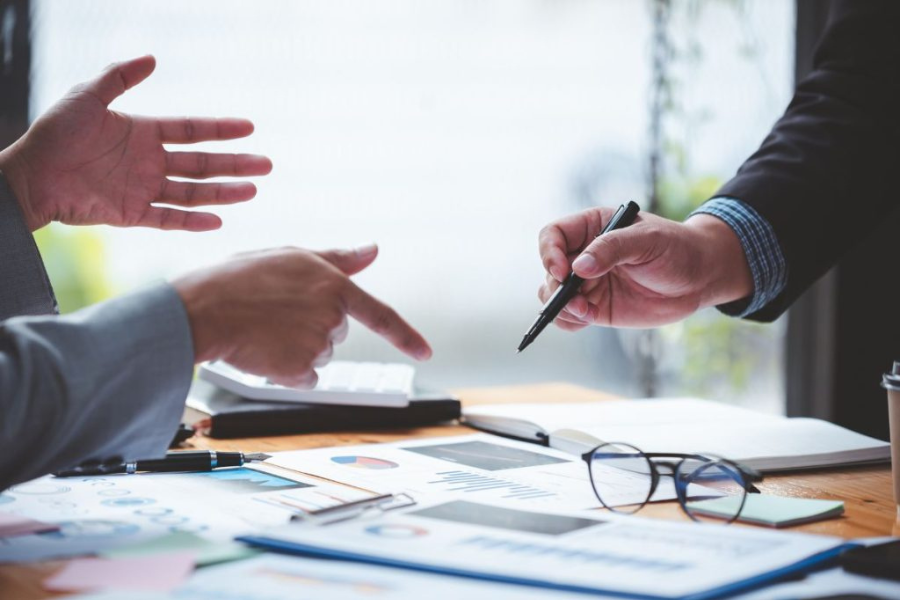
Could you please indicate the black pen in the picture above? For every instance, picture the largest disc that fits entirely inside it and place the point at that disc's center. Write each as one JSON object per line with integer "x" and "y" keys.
{"x": 174, "y": 462}
{"x": 622, "y": 218}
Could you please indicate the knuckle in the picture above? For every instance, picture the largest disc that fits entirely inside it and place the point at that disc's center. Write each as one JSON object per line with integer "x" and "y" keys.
{"x": 202, "y": 163}
{"x": 383, "y": 321}
{"x": 189, "y": 128}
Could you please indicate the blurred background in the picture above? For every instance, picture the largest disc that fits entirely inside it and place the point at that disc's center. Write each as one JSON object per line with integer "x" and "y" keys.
{"x": 448, "y": 132}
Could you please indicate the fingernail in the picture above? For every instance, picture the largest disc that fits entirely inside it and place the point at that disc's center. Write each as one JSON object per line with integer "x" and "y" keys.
{"x": 367, "y": 250}
{"x": 556, "y": 273}
{"x": 585, "y": 265}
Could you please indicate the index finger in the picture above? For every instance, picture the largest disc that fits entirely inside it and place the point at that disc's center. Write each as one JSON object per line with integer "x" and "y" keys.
{"x": 189, "y": 130}
{"x": 384, "y": 320}
{"x": 566, "y": 236}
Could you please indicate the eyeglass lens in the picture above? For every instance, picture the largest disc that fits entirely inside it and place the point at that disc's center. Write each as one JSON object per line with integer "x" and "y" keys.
{"x": 624, "y": 479}
{"x": 622, "y": 476}
{"x": 697, "y": 480}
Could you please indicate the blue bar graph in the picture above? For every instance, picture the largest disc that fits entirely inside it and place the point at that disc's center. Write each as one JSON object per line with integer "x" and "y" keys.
{"x": 464, "y": 481}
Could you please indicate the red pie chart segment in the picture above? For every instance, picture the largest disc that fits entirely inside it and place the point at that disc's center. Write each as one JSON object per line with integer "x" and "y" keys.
{"x": 364, "y": 462}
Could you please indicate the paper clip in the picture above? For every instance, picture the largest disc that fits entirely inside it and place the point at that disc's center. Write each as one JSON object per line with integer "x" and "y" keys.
{"x": 356, "y": 508}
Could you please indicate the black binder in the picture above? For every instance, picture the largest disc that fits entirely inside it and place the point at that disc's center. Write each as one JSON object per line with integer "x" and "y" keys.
{"x": 226, "y": 415}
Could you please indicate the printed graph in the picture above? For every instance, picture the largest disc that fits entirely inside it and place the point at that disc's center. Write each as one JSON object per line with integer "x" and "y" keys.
{"x": 309, "y": 500}
{"x": 467, "y": 482}
{"x": 40, "y": 488}
{"x": 550, "y": 552}
{"x": 364, "y": 462}
{"x": 128, "y": 502}
{"x": 486, "y": 456}
{"x": 91, "y": 529}
{"x": 246, "y": 481}
{"x": 473, "y": 513}
{"x": 396, "y": 531}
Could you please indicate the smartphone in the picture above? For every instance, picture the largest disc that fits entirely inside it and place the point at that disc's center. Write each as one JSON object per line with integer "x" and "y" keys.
{"x": 881, "y": 560}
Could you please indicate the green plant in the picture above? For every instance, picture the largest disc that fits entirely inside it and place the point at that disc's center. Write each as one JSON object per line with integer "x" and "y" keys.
{"x": 76, "y": 264}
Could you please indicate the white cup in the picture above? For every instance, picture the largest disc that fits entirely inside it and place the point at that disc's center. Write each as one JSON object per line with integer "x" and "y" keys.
{"x": 891, "y": 382}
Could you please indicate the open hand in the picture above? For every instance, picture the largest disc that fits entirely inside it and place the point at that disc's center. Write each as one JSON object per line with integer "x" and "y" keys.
{"x": 84, "y": 164}
{"x": 653, "y": 272}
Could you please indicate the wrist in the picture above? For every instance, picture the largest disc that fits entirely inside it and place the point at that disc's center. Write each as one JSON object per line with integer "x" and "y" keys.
{"x": 15, "y": 171}
{"x": 728, "y": 277}
{"x": 201, "y": 311}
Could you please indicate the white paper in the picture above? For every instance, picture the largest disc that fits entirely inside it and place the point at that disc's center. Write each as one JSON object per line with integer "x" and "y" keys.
{"x": 477, "y": 466}
{"x": 591, "y": 551}
{"x": 270, "y": 577}
{"x": 657, "y": 411}
{"x": 687, "y": 425}
{"x": 105, "y": 512}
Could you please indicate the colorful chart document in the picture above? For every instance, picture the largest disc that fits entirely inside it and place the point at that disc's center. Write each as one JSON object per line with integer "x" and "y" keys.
{"x": 476, "y": 467}
{"x": 98, "y": 514}
{"x": 573, "y": 551}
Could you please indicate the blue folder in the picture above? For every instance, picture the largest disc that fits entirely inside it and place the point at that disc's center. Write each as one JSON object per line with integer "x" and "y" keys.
{"x": 812, "y": 563}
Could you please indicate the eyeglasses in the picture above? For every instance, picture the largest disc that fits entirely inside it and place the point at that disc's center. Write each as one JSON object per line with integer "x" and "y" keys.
{"x": 625, "y": 479}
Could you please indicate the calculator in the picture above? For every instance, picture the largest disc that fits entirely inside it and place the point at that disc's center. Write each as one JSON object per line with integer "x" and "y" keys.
{"x": 340, "y": 382}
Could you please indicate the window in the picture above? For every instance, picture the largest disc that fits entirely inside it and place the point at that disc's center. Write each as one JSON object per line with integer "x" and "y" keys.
{"x": 450, "y": 133}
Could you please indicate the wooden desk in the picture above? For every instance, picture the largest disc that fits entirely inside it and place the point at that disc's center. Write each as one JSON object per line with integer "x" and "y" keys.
{"x": 866, "y": 491}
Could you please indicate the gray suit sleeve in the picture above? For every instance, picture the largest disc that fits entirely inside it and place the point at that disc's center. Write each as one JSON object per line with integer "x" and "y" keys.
{"x": 107, "y": 381}
{"x": 24, "y": 286}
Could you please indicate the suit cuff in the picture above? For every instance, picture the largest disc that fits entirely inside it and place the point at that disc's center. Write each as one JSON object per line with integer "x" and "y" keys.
{"x": 24, "y": 286}
{"x": 150, "y": 354}
{"x": 761, "y": 248}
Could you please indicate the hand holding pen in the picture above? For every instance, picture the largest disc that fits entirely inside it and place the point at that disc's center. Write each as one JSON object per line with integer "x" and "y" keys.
{"x": 564, "y": 293}
{"x": 653, "y": 272}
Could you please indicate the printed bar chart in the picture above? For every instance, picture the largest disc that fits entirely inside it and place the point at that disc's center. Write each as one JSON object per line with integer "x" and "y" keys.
{"x": 464, "y": 481}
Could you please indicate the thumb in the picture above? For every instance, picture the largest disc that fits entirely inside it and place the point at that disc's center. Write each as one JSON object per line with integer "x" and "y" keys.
{"x": 625, "y": 246}
{"x": 351, "y": 261}
{"x": 119, "y": 77}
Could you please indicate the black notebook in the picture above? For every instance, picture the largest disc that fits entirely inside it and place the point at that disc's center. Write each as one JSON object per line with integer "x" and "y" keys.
{"x": 223, "y": 414}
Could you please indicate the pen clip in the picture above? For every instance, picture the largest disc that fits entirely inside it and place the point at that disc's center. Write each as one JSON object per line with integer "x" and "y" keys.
{"x": 355, "y": 509}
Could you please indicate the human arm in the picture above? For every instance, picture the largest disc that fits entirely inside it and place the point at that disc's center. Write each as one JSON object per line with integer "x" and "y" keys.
{"x": 111, "y": 380}
{"x": 83, "y": 164}
{"x": 106, "y": 381}
{"x": 818, "y": 184}
{"x": 279, "y": 313}
{"x": 654, "y": 272}
{"x": 24, "y": 286}
{"x": 824, "y": 177}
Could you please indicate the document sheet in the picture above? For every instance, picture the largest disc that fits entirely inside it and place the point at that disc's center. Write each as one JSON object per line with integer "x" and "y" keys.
{"x": 477, "y": 466}
{"x": 578, "y": 550}
{"x": 96, "y": 514}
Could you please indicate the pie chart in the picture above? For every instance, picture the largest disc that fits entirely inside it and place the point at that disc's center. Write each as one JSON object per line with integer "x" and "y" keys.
{"x": 396, "y": 531}
{"x": 364, "y": 462}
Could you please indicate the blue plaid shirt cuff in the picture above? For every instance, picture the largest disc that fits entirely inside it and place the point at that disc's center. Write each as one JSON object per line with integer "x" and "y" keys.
{"x": 767, "y": 264}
